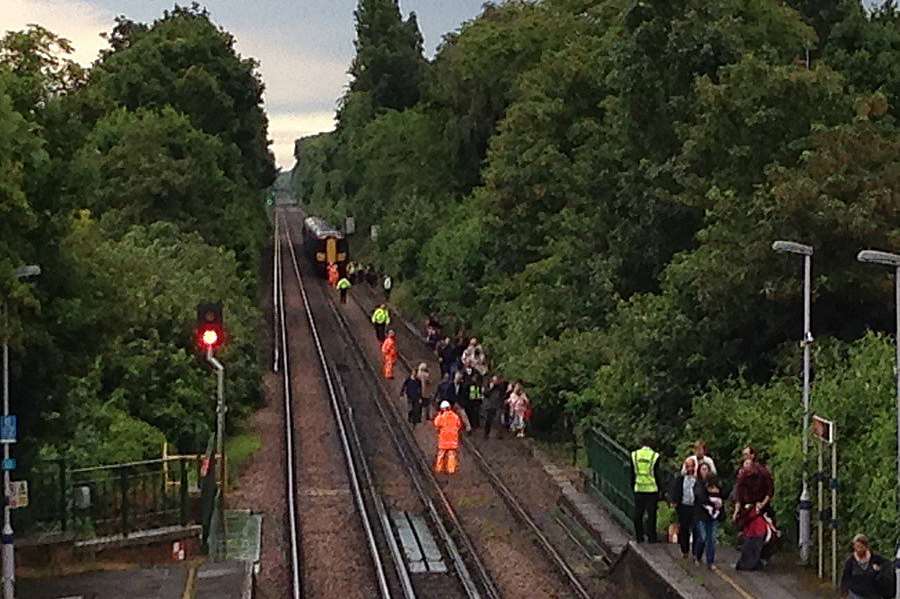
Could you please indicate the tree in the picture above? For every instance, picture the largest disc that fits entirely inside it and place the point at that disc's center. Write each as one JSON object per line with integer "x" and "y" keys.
{"x": 107, "y": 370}
{"x": 21, "y": 156}
{"x": 388, "y": 64}
{"x": 147, "y": 166}
{"x": 184, "y": 61}
{"x": 40, "y": 67}
{"x": 135, "y": 336}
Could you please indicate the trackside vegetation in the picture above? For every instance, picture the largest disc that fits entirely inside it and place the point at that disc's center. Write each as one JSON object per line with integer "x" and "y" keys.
{"x": 594, "y": 187}
{"x": 137, "y": 185}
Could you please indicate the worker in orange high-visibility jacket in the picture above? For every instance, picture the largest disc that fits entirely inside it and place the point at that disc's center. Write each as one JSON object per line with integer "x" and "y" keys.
{"x": 448, "y": 424}
{"x": 333, "y": 274}
{"x": 389, "y": 354}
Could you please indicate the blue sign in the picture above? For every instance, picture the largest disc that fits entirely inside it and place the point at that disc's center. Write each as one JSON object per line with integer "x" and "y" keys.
{"x": 9, "y": 464}
{"x": 7, "y": 429}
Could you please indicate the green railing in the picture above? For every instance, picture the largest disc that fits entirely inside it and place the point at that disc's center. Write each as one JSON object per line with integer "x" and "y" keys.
{"x": 107, "y": 500}
{"x": 610, "y": 465}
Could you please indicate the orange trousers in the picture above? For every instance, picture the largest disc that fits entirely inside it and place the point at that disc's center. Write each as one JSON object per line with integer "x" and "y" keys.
{"x": 389, "y": 367}
{"x": 447, "y": 461}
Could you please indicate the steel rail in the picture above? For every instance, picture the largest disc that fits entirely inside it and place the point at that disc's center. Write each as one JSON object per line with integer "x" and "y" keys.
{"x": 402, "y": 573}
{"x": 413, "y": 465}
{"x": 512, "y": 502}
{"x": 296, "y": 586}
{"x": 276, "y": 291}
{"x": 365, "y": 518}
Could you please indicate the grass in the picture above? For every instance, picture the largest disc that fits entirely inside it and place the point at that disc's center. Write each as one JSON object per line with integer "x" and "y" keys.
{"x": 238, "y": 450}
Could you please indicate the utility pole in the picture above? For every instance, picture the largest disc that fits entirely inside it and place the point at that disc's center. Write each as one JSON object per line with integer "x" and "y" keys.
{"x": 9, "y": 549}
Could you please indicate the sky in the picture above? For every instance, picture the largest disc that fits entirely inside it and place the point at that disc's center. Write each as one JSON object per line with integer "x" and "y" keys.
{"x": 304, "y": 46}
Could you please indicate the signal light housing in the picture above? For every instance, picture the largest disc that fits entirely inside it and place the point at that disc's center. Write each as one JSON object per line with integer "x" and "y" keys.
{"x": 210, "y": 332}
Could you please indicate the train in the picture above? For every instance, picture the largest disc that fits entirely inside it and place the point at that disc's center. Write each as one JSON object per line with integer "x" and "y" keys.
{"x": 324, "y": 244}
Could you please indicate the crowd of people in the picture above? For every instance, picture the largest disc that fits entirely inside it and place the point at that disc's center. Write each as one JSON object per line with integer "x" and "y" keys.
{"x": 476, "y": 398}
{"x": 696, "y": 494}
{"x": 698, "y": 498}
{"x": 481, "y": 399}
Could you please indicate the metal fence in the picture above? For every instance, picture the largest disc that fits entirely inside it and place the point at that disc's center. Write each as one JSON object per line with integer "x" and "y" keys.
{"x": 108, "y": 500}
{"x": 610, "y": 475}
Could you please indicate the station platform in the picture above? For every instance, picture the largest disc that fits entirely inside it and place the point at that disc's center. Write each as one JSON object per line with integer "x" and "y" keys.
{"x": 191, "y": 579}
{"x": 211, "y": 580}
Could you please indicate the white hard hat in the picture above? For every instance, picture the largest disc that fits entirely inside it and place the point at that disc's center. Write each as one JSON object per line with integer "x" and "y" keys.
{"x": 445, "y": 405}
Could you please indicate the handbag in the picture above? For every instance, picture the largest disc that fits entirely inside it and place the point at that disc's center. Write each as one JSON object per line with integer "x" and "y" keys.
{"x": 885, "y": 580}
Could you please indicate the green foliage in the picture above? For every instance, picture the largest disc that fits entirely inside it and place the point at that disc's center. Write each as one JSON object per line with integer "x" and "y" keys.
{"x": 137, "y": 185}
{"x": 37, "y": 59}
{"x": 239, "y": 449}
{"x": 101, "y": 431}
{"x": 150, "y": 166}
{"x": 185, "y": 61}
{"x": 388, "y": 64}
{"x": 21, "y": 153}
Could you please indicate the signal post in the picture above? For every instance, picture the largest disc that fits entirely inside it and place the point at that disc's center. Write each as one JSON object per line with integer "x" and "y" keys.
{"x": 210, "y": 336}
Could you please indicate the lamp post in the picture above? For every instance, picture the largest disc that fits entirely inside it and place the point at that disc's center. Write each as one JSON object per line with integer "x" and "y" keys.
{"x": 806, "y": 251}
{"x": 9, "y": 551}
{"x": 892, "y": 261}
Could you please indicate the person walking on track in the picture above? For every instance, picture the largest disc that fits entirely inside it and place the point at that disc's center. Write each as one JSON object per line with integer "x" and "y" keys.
{"x": 519, "y": 405}
{"x": 343, "y": 286}
{"x": 424, "y": 377}
{"x": 448, "y": 425}
{"x": 412, "y": 390}
{"x": 389, "y": 354}
{"x": 646, "y": 482}
{"x": 494, "y": 399}
{"x": 333, "y": 274}
{"x": 381, "y": 318}
{"x": 388, "y": 284}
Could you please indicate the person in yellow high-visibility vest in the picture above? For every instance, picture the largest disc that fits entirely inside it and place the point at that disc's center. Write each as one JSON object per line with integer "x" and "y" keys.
{"x": 646, "y": 482}
{"x": 381, "y": 318}
{"x": 343, "y": 286}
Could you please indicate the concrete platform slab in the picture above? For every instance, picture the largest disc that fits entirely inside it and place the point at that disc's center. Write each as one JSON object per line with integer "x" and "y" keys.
{"x": 224, "y": 580}
{"x": 150, "y": 583}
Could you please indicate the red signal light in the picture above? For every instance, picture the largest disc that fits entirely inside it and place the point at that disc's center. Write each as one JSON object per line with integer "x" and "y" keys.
{"x": 210, "y": 337}
{"x": 210, "y": 331}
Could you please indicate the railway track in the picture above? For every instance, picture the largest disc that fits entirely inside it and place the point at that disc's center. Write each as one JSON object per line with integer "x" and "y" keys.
{"x": 364, "y": 496}
{"x": 554, "y": 556}
{"x": 280, "y": 337}
{"x": 442, "y": 511}
{"x": 372, "y": 510}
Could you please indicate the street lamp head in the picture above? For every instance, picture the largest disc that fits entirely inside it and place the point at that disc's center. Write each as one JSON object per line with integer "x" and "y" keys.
{"x": 876, "y": 257}
{"x": 24, "y": 272}
{"x": 792, "y": 247}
